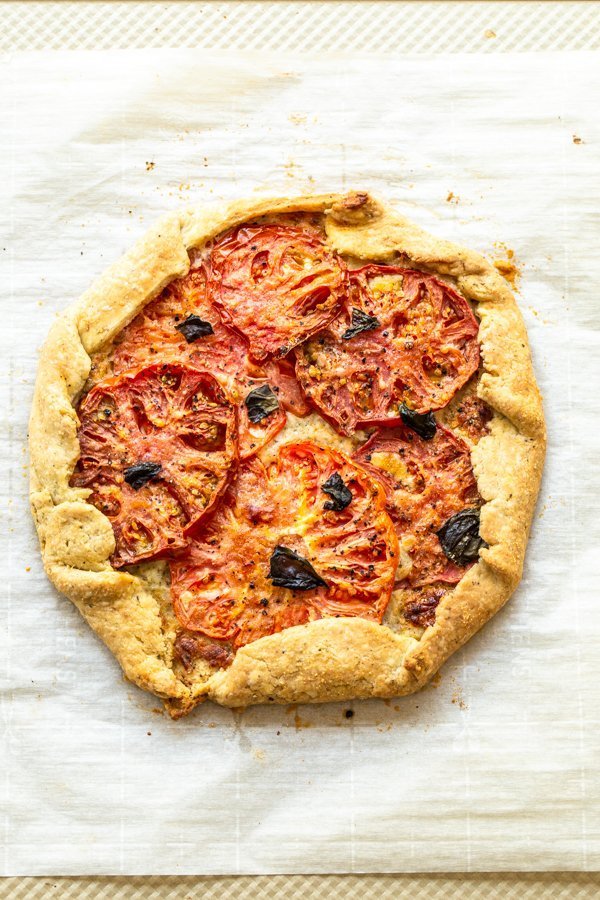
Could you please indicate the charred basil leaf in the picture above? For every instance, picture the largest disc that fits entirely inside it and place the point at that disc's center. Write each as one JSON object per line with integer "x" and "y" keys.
{"x": 193, "y": 328}
{"x": 261, "y": 402}
{"x": 361, "y": 321}
{"x": 459, "y": 537}
{"x": 423, "y": 423}
{"x": 341, "y": 495}
{"x": 139, "y": 474}
{"x": 289, "y": 570}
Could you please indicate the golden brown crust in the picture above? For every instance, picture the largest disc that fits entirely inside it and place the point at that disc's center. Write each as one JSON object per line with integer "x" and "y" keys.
{"x": 331, "y": 659}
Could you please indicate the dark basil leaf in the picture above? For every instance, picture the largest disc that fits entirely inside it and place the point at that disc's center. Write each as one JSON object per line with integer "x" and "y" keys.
{"x": 459, "y": 537}
{"x": 289, "y": 570}
{"x": 193, "y": 328}
{"x": 261, "y": 402}
{"x": 337, "y": 490}
{"x": 361, "y": 321}
{"x": 139, "y": 474}
{"x": 423, "y": 423}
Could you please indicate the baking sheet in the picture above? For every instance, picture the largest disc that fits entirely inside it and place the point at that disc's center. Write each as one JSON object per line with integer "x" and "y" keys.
{"x": 495, "y": 767}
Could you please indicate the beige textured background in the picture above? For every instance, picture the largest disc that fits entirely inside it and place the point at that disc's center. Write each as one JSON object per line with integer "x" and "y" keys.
{"x": 524, "y": 886}
{"x": 377, "y": 27}
{"x": 307, "y": 27}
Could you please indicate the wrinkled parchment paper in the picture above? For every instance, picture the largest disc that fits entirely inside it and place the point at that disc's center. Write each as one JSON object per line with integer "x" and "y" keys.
{"x": 497, "y": 765}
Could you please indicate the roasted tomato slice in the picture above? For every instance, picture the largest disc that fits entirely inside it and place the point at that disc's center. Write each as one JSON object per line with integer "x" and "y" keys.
{"x": 277, "y": 525}
{"x": 403, "y": 337}
{"x": 182, "y": 325}
{"x": 277, "y": 284}
{"x": 157, "y": 446}
{"x": 282, "y": 373}
{"x": 426, "y": 482}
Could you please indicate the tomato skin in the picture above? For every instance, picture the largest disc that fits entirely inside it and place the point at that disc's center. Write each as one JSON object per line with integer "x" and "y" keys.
{"x": 171, "y": 416}
{"x": 222, "y": 587}
{"x": 276, "y": 284}
{"x": 153, "y": 336}
{"x": 281, "y": 372}
{"x": 426, "y": 482}
{"x": 421, "y": 353}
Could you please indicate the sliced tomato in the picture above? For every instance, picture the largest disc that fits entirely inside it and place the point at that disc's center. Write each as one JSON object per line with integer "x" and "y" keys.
{"x": 222, "y": 587}
{"x": 277, "y": 284}
{"x": 281, "y": 372}
{"x": 154, "y": 335}
{"x": 403, "y": 337}
{"x": 157, "y": 446}
{"x": 426, "y": 482}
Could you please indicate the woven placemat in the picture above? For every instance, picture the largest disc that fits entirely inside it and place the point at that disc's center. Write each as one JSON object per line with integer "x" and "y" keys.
{"x": 313, "y": 27}
{"x": 492, "y": 886}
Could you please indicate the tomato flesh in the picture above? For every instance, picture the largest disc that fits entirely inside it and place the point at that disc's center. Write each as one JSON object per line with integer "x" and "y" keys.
{"x": 168, "y": 415}
{"x": 222, "y": 587}
{"x": 426, "y": 482}
{"x": 276, "y": 284}
{"x": 153, "y": 336}
{"x": 421, "y": 353}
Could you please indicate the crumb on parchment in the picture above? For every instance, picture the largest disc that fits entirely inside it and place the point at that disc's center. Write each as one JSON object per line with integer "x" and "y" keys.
{"x": 507, "y": 267}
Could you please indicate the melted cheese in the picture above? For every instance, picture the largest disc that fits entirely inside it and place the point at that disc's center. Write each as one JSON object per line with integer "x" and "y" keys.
{"x": 311, "y": 428}
{"x": 387, "y": 284}
{"x": 394, "y": 465}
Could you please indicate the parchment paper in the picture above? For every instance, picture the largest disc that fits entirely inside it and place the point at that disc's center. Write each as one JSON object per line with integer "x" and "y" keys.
{"x": 495, "y": 767}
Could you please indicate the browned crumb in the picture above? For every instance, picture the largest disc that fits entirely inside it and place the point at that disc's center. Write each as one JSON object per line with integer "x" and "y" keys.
{"x": 457, "y": 696}
{"x": 508, "y": 267}
{"x": 150, "y": 166}
{"x": 488, "y": 33}
{"x": 577, "y": 139}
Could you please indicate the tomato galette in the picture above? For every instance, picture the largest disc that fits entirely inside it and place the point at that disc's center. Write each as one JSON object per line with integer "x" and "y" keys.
{"x": 287, "y": 450}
